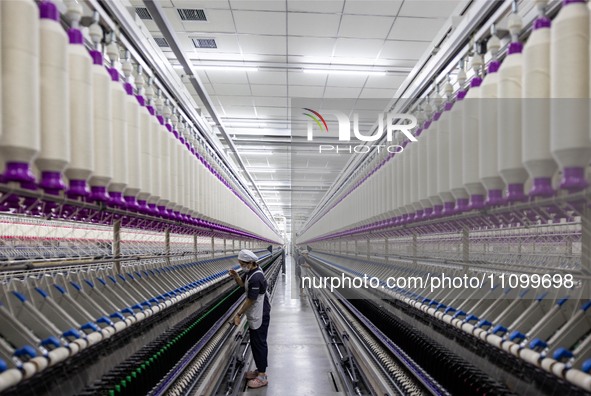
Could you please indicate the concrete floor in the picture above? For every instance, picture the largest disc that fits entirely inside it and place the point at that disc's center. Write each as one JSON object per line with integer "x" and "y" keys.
{"x": 299, "y": 360}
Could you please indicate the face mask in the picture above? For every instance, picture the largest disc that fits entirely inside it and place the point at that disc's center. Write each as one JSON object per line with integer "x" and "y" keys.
{"x": 244, "y": 267}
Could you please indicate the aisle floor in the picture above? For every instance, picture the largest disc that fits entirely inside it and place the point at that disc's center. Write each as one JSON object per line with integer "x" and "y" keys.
{"x": 299, "y": 360}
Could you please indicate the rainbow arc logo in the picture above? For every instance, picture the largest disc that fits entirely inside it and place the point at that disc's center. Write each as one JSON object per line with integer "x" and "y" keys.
{"x": 317, "y": 117}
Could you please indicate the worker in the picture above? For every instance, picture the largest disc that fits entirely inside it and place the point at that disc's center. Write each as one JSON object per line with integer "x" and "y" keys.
{"x": 257, "y": 308}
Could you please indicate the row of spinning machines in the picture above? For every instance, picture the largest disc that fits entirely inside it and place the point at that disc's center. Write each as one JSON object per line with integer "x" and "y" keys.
{"x": 540, "y": 338}
{"x": 51, "y": 316}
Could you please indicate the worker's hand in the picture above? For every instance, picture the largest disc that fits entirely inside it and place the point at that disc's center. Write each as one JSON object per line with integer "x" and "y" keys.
{"x": 233, "y": 273}
{"x": 237, "y": 320}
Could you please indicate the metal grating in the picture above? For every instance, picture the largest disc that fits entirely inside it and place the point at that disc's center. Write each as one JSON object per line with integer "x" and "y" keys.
{"x": 188, "y": 14}
{"x": 204, "y": 43}
{"x": 161, "y": 41}
{"x": 143, "y": 13}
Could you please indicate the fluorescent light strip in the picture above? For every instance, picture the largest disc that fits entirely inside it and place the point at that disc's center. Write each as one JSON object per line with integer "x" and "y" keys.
{"x": 358, "y": 72}
{"x": 228, "y": 68}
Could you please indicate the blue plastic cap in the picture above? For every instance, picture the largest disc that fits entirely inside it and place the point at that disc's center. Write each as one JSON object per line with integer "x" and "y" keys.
{"x": 537, "y": 344}
{"x": 484, "y": 323}
{"x": 73, "y": 333}
{"x": 516, "y": 336}
{"x": 127, "y": 310}
{"x": 499, "y": 329}
{"x": 104, "y": 320}
{"x": 42, "y": 292}
{"x": 471, "y": 318}
{"x": 586, "y": 367}
{"x": 51, "y": 341}
{"x": 117, "y": 315}
{"x": 89, "y": 326}
{"x": 586, "y": 306}
{"x": 449, "y": 310}
{"x": 3, "y": 366}
{"x": 562, "y": 354}
{"x": 459, "y": 313}
{"x": 25, "y": 351}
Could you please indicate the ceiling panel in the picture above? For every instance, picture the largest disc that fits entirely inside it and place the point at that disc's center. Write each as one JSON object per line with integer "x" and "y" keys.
{"x": 235, "y": 100}
{"x": 365, "y": 26}
{"x": 233, "y": 89}
{"x": 312, "y": 24}
{"x": 384, "y": 81}
{"x": 300, "y": 78}
{"x": 250, "y": 22}
{"x": 423, "y": 29}
{"x": 370, "y": 93}
{"x": 372, "y": 7}
{"x": 344, "y": 80}
{"x": 428, "y": 8}
{"x": 268, "y": 77}
{"x": 240, "y": 111}
{"x": 226, "y": 77}
{"x": 261, "y": 5}
{"x": 268, "y": 90}
{"x": 270, "y": 101}
{"x": 370, "y": 48}
{"x": 340, "y": 92}
{"x": 271, "y": 111}
{"x": 404, "y": 49}
{"x": 310, "y": 46}
{"x": 325, "y": 6}
{"x": 265, "y": 45}
{"x": 301, "y": 91}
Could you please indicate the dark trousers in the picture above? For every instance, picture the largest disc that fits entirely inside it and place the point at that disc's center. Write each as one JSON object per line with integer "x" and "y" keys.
{"x": 258, "y": 344}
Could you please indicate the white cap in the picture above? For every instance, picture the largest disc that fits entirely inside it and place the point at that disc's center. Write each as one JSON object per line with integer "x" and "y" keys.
{"x": 247, "y": 256}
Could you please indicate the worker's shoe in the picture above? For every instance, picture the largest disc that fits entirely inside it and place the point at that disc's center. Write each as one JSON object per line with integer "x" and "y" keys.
{"x": 257, "y": 382}
{"x": 251, "y": 374}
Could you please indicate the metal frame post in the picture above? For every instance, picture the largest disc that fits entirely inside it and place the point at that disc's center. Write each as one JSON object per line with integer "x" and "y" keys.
{"x": 116, "y": 248}
{"x": 212, "y": 247}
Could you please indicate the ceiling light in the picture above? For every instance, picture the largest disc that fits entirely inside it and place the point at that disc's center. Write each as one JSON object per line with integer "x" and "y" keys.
{"x": 228, "y": 68}
{"x": 261, "y": 170}
{"x": 358, "y": 72}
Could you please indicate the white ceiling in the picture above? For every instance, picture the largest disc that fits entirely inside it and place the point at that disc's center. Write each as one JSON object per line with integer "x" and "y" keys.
{"x": 281, "y": 38}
